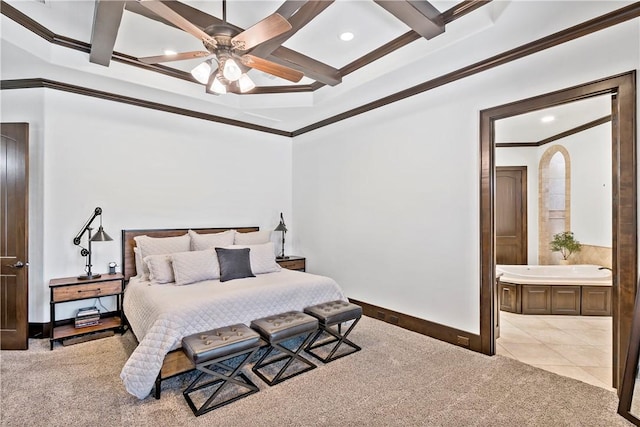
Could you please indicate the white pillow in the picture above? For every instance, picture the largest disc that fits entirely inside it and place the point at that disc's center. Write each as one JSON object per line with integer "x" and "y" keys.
{"x": 253, "y": 238}
{"x": 139, "y": 263}
{"x": 160, "y": 270}
{"x": 262, "y": 257}
{"x": 195, "y": 266}
{"x": 159, "y": 246}
{"x": 200, "y": 242}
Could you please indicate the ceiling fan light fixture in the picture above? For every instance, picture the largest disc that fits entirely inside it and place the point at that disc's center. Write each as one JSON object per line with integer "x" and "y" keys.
{"x": 217, "y": 86}
{"x": 245, "y": 83}
{"x": 231, "y": 71}
{"x": 202, "y": 72}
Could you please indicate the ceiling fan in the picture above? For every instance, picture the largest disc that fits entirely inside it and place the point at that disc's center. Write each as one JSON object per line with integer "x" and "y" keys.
{"x": 227, "y": 58}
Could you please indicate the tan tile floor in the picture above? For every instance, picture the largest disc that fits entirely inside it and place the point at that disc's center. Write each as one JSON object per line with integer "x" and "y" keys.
{"x": 574, "y": 346}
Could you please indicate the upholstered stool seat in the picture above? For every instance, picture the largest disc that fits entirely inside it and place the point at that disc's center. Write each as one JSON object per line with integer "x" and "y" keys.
{"x": 331, "y": 314}
{"x": 209, "y": 351}
{"x": 277, "y": 330}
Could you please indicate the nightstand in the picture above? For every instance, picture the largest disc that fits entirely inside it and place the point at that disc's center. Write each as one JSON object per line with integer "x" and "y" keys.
{"x": 293, "y": 263}
{"x": 73, "y": 289}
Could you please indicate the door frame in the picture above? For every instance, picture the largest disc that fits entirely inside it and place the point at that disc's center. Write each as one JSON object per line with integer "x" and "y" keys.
{"x": 622, "y": 87}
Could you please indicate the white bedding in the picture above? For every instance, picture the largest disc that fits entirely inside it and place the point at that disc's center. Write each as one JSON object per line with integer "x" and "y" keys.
{"x": 160, "y": 315}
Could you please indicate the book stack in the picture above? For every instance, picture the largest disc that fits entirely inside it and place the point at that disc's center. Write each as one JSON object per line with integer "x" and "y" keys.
{"x": 87, "y": 316}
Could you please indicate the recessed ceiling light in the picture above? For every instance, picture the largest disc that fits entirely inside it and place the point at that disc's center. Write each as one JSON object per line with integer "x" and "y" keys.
{"x": 169, "y": 52}
{"x": 346, "y": 36}
{"x": 547, "y": 119}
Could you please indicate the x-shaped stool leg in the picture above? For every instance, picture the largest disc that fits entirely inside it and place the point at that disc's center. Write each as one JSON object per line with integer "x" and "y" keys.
{"x": 222, "y": 379}
{"x": 339, "y": 339}
{"x": 290, "y": 354}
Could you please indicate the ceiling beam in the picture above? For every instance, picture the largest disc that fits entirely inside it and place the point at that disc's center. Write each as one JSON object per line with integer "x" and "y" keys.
{"x": 106, "y": 22}
{"x": 420, "y": 15}
{"x": 274, "y": 51}
{"x": 289, "y": 7}
{"x": 299, "y": 19}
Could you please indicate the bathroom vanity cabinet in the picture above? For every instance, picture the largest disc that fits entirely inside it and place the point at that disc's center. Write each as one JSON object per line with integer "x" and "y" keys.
{"x": 555, "y": 299}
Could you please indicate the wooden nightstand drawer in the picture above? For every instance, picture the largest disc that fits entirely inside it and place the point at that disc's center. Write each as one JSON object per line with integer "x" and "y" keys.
{"x": 294, "y": 263}
{"x": 70, "y": 293}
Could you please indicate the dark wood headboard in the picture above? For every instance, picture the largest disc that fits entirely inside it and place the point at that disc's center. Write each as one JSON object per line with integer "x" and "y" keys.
{"x": 128, "y": 258}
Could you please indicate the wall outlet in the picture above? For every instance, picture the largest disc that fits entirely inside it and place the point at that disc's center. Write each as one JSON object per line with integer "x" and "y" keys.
{"x": 464, "y": 341}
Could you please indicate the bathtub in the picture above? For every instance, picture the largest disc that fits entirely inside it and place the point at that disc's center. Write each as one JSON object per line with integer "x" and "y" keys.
{"x": 554, "y": 274}
{"x": 555, "y": 289}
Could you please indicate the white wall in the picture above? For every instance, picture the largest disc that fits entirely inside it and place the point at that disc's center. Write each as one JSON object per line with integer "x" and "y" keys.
{"x": 591, "y": 193}
{"x": 146, "y": 169}
{"x": 591, "y": 211}
{"x": 387, "y": 203}
{"x": 28, "y": 106}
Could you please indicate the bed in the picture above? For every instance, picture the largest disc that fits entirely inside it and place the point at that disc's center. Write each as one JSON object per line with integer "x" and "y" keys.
{"x": 159, "y": 315}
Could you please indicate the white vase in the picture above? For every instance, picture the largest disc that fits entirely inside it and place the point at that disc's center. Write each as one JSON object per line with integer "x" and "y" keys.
{"x": 564, "y": 262}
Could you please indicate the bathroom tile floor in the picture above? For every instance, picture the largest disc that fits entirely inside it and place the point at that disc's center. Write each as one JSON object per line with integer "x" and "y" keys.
{"x": 574, "y": 346}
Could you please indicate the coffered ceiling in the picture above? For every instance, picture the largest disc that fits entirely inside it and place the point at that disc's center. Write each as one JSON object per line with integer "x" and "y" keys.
{"x": 385, "y": 56}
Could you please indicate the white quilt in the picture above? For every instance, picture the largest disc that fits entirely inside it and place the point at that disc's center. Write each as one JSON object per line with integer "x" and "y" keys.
{"x": 160, "y": 315}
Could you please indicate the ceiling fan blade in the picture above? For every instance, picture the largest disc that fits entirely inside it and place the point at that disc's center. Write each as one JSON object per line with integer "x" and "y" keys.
{"x": 420, "y": 15}
{"x": 311, "y": 68}
{"x": 174, "y": 57}
{"x": 106, "y": 22}
{"x": 178, "y": 20}
{"x": 271, "y": 67}
{"x": 299, "y": 19}
{"x": 270, "y": 27}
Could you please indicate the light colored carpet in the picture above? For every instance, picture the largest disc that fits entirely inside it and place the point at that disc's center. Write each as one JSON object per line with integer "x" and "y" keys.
{"x": 400, "y": 378}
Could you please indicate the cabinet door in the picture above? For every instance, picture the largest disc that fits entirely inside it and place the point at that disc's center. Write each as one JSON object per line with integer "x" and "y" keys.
{"x": 536, "y": 299}
{"x": 509, "y": 298}
{"x": 596, "y": 301}
{"x": 565, "y": 300}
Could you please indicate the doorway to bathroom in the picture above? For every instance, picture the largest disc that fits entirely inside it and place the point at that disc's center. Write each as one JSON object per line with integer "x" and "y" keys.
{"x": 556, "y": 143}
{"x": 621, "y": 93}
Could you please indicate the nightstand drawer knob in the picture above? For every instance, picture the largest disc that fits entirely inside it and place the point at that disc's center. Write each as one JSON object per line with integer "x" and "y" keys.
{"x": 89, "y": 290}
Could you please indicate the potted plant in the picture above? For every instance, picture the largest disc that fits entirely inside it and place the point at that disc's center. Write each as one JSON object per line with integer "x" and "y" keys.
{"x": 566, "y": 244}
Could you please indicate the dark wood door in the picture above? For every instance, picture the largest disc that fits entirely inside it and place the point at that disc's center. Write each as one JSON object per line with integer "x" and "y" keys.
{"x": 14, "y": 283}
{"x": 511, "y": 215}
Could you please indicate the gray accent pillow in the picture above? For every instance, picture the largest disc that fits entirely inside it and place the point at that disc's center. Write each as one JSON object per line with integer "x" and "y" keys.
{"x": 234, "y": 263}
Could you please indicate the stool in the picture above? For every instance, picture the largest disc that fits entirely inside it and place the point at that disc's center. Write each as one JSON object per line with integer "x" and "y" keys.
{"x": 330, "y": 314}
{"x": 208, "y": 351}
{"x": 278, "y": 329}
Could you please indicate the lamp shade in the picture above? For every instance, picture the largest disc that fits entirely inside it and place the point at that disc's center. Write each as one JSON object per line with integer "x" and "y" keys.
{"x": 245, "y": 83}
{"x": 201, "y": 72}
{"x": 231, "y": 71}
{"x": 101, "y": 236}
{"x": 281, "y": 227}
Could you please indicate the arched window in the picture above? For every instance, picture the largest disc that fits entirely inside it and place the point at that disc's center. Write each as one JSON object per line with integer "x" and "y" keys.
{"x": 554, "y": 204}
